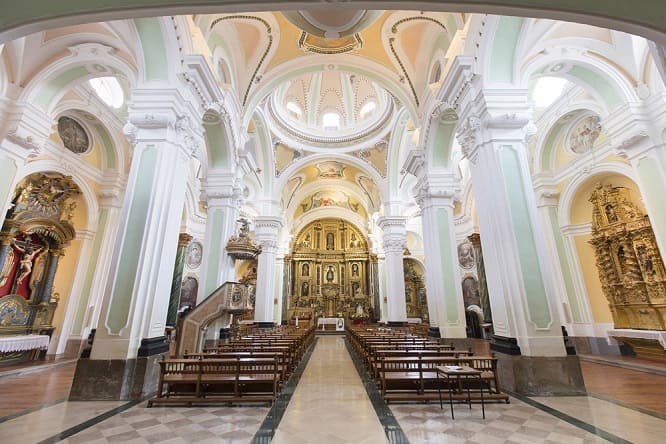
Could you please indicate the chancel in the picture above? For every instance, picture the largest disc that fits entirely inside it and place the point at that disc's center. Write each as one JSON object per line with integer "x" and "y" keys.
{"x": 247, "y": 223}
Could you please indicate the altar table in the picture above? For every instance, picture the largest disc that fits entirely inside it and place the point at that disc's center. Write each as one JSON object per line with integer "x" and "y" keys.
{"x": 9, "y": 344}
{"x": 338, "y": 322}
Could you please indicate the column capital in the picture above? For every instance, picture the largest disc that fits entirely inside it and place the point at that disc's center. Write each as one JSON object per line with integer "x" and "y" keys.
{"x": 392, "y": 223}
{"x": 547, "y": 196}
{"x": 184, "y": 239}
{"x": 28, "y": 127}
{"x": 162, "y": 114}
{"x": 436, "y": 190}
{"x": 267, "y": 231}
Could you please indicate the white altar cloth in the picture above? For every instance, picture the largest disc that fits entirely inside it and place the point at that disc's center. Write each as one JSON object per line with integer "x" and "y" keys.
{"x": 338, "y": 322}
{"x": 23, "y": 342}
{"x": 655, "y": 335}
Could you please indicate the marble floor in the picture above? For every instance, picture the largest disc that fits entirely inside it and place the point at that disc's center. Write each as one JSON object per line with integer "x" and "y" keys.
{"x": 334, "y": 403}
{"x": 330, "y": 404}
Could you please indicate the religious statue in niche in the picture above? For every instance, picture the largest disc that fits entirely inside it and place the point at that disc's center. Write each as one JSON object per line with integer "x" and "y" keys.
{"x": 307, "y": 242}
{"x": 194, "y": 254}
{"x": 188, "y": 292}
{"x": 305, "y": 270}
{"x": 305, "y": 288}
{"x": 470, "y": 290}
{"x": 466, "y": 255}
{"x": 330, "y": 274}
{"x": 330, "y": 241}
{"x": 73, "y": 136}
{"x": 354, "y": 269}
{"x": 354, "y": 242}
{"x": 25, "y": 264}
{"x": 583, "y": 135}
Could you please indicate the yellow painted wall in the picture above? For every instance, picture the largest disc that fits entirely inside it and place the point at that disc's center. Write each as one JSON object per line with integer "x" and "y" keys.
{"x": 581, "y": 207}
{"x": 598, "y": 302}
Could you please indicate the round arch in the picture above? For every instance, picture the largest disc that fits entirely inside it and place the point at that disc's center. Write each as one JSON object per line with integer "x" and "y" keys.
{"x": 645, "y": 19}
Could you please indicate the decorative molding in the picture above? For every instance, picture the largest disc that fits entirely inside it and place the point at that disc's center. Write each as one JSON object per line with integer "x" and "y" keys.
{"x": 255, "y": 75}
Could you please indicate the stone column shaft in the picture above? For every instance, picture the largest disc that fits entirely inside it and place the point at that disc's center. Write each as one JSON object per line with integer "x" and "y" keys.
{"x": 523, "y": 302}
{"x": 177, "y": 279}
{"x": 393, "y": 242}
{"x": 442, "y": 277}
{"x": 267, "y": 230}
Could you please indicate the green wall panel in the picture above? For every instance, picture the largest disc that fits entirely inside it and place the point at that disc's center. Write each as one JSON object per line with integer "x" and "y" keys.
{"x": 537, "y": 301}
{"x": 131, "y": 249}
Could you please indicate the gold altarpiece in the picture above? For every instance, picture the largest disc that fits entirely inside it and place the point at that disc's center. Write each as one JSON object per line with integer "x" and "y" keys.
{"x": 630, "y": 267}
{"x": 330, "y": 268}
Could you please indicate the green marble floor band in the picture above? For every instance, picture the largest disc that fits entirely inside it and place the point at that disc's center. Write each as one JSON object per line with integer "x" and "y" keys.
{"x": 89, "y": 423}
{"x": 571, "y": 420}
{"x": 270, "y": 424}
{"x": 394, "y": 433}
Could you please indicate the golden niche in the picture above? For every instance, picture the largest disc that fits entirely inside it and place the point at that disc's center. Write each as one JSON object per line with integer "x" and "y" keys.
{"x": 330, "y": 271}
{"x": 630, "y": 266}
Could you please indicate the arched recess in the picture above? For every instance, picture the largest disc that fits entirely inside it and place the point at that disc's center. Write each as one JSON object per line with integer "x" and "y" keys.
{"x": 610, "y": 87}
{"x": 546, "y": 147}
{"x": 86, "y": 61}
{"x": 220, "y": 146}
{"x": 397, "y": 153}
{"x": 263, "y": 152}
{"x": 106, "y": 132}
{"x": 282, "y": 180}
{"x": 585, "y": 302}
{"x": 644, "y": 19}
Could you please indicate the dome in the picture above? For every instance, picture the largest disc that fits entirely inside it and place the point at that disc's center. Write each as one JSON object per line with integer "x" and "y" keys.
{"x": 332, "y": 23}
{"x": 330, "y": 107}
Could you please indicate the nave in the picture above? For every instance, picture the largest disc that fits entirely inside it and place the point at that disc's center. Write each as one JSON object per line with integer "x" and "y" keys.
{"x": 330, "y": 405}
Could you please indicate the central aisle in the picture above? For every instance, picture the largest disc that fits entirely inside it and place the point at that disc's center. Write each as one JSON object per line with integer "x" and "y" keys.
{"x": 330, "y": 404}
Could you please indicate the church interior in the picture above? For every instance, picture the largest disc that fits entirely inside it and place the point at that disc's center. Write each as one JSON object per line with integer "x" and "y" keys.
{"x": 243, "y": 222}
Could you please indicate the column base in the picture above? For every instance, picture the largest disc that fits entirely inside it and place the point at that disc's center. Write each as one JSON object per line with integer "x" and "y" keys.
{"x": 153, "y": 346}
{"x": 433, "y": 332}
{"x": 540, "y": 375}
{"x": 459, "y": 343}
{"x": 396, "y": 324}
{"x": 116, "y": 379}
{"x": 506, "y": 345}
{"x": 264, "y": 324}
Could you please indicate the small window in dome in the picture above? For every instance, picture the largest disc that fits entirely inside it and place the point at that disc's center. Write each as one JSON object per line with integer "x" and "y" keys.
{"x": 109, "y": 90}
{"x": 330, "y": 121}
{"x": 367, "y": 110}
{"x": 294, "y": 110}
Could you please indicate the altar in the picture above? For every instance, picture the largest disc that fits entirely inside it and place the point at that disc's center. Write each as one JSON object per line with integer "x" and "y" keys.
{"x": 339, "y": 323}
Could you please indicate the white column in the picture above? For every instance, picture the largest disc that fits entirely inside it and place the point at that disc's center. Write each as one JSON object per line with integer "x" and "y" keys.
{"x": 267, "y": 233}
{"x": 162, "y": 131}
{"x": 393, "y": 243}
{"x": 442, "y": 273}
{"x": 492, "y": 134}
{"x": 223, "y": 200}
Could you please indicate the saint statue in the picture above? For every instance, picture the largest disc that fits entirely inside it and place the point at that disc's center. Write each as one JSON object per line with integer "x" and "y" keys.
{"x": 26, "y": 261}
{"x": 330, "y": 242}
{"x": 306, "y": 270}
{"x": 330, "y": 275}
{"x": 354, "y": 269}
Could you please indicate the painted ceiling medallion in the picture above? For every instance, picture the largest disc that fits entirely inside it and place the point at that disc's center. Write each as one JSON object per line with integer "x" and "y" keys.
{"x": 319, "y": 45}
{"x": 332, "y": 24}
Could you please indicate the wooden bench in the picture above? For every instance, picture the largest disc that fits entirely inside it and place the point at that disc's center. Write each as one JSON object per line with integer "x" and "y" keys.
{"x": 415, "y": 378}
{"x": 204, "y": 381}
